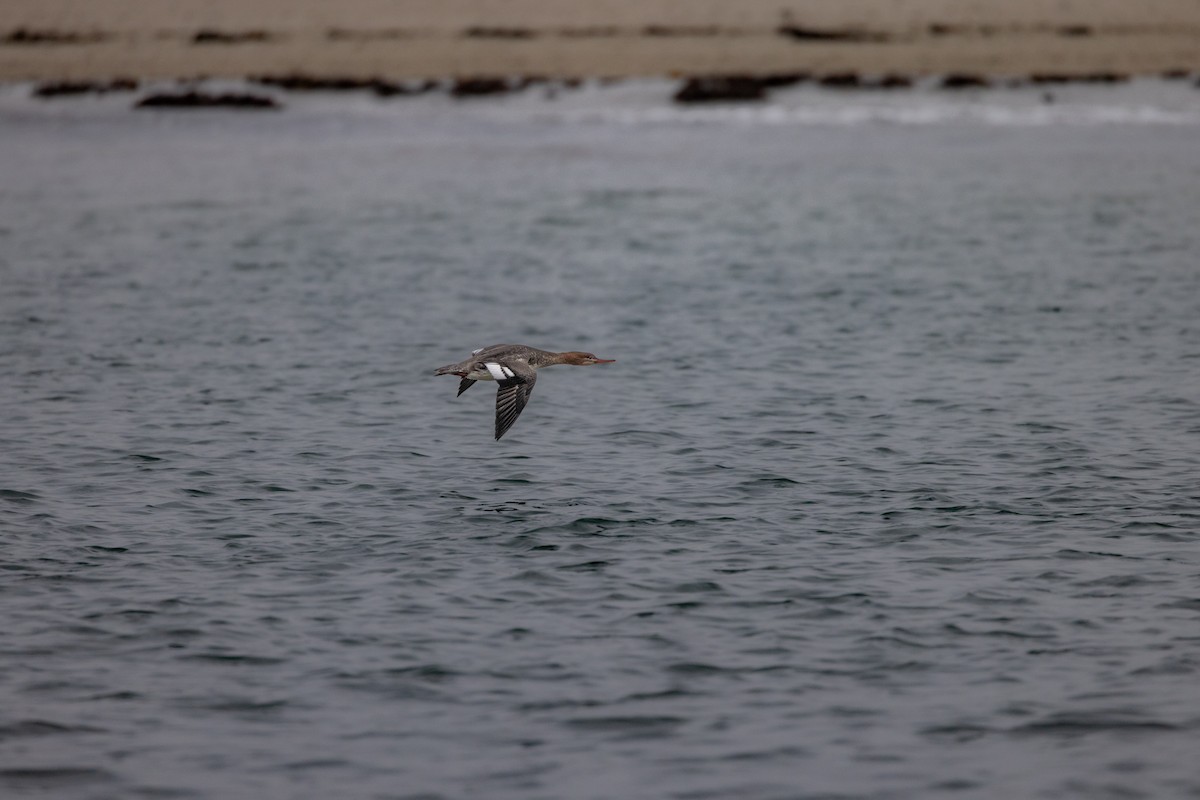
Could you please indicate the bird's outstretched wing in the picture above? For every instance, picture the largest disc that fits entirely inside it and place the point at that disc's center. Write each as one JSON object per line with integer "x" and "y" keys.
{"x": 513, "y": 394}
{"x": 463, "y": 385}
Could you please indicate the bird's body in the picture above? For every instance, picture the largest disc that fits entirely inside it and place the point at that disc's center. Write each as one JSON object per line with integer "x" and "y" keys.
{"x": 514, "y": 367}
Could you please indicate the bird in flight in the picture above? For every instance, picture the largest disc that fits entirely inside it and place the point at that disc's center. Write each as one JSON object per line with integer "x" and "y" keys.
{"x": 514, "y": 367}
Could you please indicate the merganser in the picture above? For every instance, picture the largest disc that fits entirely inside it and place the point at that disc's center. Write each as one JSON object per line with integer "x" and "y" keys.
{"x": 514, "y": 367}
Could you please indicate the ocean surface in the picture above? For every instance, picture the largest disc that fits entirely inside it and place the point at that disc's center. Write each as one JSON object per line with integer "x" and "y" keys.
{"x": 892, "y": 492}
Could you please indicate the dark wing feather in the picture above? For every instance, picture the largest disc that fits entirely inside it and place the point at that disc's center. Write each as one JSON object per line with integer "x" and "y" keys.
{"x": 512, "y": 396}
{"x": 463, "y": 385}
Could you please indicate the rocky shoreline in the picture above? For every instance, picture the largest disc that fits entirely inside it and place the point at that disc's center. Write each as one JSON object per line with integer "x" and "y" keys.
{"x": 689, "y": 90}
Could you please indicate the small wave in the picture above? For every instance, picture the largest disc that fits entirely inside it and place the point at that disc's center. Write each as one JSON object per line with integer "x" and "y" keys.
{"x": 956, "y": 733}
{"x": 913, "y": 113}
{"x": 38, "y": 727}
{"x": 235, "y": 658}
{"x": 644, "y": 437}
{"x": 237, "y": 706}
{"x": 595, "y": 526}
{"x": 996, "y": 632}
{"x": 697, "y": 586}
{"x": 1078, "y": 724}
{"x": 53, "y": 777}
{"x": 586, "y": 566}
{"x": 627, "y": 725}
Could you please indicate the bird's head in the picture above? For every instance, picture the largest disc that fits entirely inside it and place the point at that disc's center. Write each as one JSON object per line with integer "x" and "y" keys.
{"x": 579, "y": 359}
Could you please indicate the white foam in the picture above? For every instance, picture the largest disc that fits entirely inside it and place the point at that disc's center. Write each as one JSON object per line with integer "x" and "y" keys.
{"x": 914, "y": 114}
{"x": 648, "y": 102}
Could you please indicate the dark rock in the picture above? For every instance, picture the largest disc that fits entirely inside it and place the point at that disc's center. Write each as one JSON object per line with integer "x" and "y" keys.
{"x": 893, "y": 80}
{"x": 32, "y": 36}
{"x": 196, "y": 99}
{"x": 72, "y": 88}
{"x": 482, "y": 32}
{"x": 788, "y": 27}
{"x": 1104, "y": 77}
{"x": 347, "y": 35}
{"x": 381, "y": 88}
{"x": 776, "y": 80}
{"x": 209, "y": 36}
{"x": 841, "y": 80}
{"x": 298, "y": 82}
{"x": 479, "y": 87}
{"x": 1042, "y": 78}
{"x": 721, "y": 89}
{"x": 816, "y": 35}
{"x": 1177, "y": 74}
{"x": 681, "y": 30}
{"x": 964, "y": 80}
{"x": 1053, "y": 78}
{"x": 1075, "y": 30}
{"x": 66, "y": 88}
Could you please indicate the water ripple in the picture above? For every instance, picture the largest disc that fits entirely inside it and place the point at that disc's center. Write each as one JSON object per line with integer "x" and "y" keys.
{"x": 889, "y": 493}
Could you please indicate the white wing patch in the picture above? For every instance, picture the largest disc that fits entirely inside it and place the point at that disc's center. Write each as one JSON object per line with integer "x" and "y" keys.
{"x": 499, "y": 372}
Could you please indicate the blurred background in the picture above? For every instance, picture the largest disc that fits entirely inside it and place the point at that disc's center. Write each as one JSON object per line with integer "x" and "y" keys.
{"x": 890, "y": 492}
{"x": 56, "y": 39}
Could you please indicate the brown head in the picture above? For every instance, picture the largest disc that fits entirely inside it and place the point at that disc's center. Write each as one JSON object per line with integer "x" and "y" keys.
{"x": 579, "y": 359}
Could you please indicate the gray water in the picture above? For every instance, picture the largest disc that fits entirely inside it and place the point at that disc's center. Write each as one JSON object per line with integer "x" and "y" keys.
{"x": 891, "y": 493}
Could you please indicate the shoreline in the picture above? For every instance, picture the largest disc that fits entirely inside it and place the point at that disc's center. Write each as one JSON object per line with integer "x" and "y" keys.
{"x": 435, "y": 57}
{"x": 60, "y": 40}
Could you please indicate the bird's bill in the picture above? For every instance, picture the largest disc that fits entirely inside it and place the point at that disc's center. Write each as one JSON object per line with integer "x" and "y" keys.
{"x": 605, "y": 361}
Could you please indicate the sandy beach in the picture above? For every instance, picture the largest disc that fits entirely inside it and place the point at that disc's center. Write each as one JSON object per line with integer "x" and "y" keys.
{"x": 61, "y": 39}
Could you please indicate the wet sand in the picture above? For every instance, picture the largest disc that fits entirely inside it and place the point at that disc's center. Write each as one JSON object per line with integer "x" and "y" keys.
{"x": 59, "y": 39}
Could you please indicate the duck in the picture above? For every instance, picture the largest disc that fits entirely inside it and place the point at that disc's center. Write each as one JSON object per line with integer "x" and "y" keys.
{"x": 514, "y": 367}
